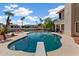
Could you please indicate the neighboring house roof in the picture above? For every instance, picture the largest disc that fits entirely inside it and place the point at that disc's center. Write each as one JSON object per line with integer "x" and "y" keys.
{"x": 59, "y": 21}
{"x": 55, "y": 20}
{"x": 60, "y": 11}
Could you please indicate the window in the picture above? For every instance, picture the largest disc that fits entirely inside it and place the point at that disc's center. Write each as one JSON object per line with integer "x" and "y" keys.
{"x": 77, "y": 27}
{"x": 62, "y": 27}
{"x": 59, "y": 15}
{"x": 11, "y": 26}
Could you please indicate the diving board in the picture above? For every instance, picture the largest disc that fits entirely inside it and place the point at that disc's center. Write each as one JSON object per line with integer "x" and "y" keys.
{"x": 40, "y": 49}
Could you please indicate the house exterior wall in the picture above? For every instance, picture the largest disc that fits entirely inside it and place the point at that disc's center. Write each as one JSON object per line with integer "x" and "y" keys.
{"x": 75, "y": 18}
{"x": 67, "y": 19}
{"x": 59, "y": 22}
{"x": 70, "y": 18}
{"x": 62, "y": 15}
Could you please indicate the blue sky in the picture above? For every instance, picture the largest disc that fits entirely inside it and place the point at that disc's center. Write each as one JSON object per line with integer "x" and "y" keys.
{"x": 32, "y": 11}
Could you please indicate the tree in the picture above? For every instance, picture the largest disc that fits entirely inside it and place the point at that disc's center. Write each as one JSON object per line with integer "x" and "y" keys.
{"x": 48, "y": 23}
{"x": 2, "y": 31}
{"x": 8, "y": 19}
{"x": 40, "y": 24}
{"x": 6, "y": 28}
{"x": 1, "y": 26}
{"x": 41, "y": 20}
{"x": 22, "y": 20}
{"x": 36, "y": 22}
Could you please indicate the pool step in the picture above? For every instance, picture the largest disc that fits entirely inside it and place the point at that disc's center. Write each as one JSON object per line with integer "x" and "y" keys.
{"x": 40, "y": 49}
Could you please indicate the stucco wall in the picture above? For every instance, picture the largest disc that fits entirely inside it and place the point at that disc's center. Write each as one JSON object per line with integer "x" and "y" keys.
{"x": 67, "y": 19}
{"x": 75, "y": 18}
{"x": 62, "y": 15}
{"x": 70, "y": 18}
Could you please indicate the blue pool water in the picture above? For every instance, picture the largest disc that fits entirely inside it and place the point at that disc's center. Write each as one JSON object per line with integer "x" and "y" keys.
{"x": 29, "y": 43}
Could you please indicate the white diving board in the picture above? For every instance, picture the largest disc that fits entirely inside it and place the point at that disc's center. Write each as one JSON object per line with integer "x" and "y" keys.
{"x": 40, "y": 49}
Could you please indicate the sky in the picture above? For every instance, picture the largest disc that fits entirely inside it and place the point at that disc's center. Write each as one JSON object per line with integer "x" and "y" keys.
{"x": 31, "y": 11}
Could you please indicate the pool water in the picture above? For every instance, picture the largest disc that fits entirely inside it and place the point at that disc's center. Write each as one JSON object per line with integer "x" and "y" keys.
{"x": 29, "y": 43}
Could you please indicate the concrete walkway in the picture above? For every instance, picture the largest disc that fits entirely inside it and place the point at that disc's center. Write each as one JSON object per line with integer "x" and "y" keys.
{"x": 69, "y": 47}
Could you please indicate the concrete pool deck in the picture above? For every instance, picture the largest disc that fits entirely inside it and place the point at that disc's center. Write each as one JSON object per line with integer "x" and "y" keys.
{"x": 4, "y": 51}
{"x": 68, "y": 48}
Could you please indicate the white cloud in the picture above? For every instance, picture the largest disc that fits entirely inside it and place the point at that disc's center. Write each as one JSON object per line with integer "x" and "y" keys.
{"x": 19, "y": 22}
{"x": 45, "y": 17}
{"x": 7, "y": 8}
{"x": 22, "y": 11}
{"x": 28, "y": 23}
{"x": 18, "y": 11}
{"x": 4, "y": 17}
{"x": 1, "y": 19}
{"x": 10, "y": 7}
{"x": 28, "y": 20}
{"x": 32, "y": 18}
{"x": 52, "y": 12}
{"x": 13, "y": 6}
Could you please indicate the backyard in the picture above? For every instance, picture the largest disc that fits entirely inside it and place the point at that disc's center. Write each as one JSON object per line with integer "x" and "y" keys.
{"x": 30, "y": 31}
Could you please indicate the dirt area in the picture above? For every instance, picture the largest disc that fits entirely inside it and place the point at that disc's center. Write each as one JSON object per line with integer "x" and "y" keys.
{"x": 7, "y": 36}
{"x": 76, "y": 39}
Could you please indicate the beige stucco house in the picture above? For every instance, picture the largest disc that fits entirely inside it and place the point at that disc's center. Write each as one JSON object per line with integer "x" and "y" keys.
{"x": 68, "y": 21}
{"x": 59, "y": 23}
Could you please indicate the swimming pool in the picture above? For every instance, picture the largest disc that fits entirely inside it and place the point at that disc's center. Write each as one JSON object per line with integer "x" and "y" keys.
{"x": 29, "y": 42}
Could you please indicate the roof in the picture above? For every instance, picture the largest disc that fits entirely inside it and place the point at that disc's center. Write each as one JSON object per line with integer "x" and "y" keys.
{"x": 60, "y": 10}
{"x": 59, "y": 21}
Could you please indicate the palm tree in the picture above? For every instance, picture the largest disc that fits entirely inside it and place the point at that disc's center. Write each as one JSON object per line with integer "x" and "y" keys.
{"x": 36, "y": 22}
{"x": 41, "y": 20}
{"x": 8, "y": 18}
{"x": 7, "y": 23}
{"x": 22, "y": 20}
{"x": 41, "y": 23}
